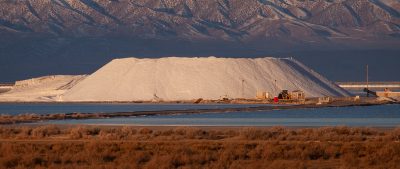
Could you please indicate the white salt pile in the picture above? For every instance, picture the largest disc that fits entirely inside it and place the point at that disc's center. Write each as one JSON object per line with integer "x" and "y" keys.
{"x": 173, "y": 78}
{"x": 41, "y": 89}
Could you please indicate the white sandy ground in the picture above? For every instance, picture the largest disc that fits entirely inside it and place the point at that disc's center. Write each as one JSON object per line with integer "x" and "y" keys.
{"x": 42, "y": 89}
{"x": 173, "y": 78}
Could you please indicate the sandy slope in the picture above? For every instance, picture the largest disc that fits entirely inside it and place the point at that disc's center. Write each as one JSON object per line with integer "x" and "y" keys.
{"x": 175, "y": 78}
{"x": 45, "y": 88}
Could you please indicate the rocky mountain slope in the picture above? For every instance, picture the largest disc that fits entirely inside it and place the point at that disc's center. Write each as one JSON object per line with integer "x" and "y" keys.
{"x": 303, "y": 20}
{"x": 42, "y": 37}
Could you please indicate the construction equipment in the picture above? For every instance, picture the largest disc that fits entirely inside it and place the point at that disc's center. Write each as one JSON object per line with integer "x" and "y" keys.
{"x": 284, "y": 95}
{"x": 296, "y": 95}
{"x": 369, "y": 92}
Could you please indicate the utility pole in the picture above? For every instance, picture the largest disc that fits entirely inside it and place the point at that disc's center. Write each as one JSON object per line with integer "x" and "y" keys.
{"x": 242, "y": 88}
{"x": 367, "y": 80}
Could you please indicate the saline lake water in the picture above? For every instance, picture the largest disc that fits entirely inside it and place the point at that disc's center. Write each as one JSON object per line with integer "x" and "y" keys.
{"x": 366, "y": 116}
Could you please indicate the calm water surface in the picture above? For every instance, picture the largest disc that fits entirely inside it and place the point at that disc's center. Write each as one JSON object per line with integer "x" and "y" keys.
{"x": 384, "y": 115}
{"x": 374, "y": 116}
{"x": 51, "y": 108}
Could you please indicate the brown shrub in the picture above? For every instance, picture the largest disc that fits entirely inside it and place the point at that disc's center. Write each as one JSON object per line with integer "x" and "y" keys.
{"x": 83, "y": 132}
{"x": 256, "y": 134}
{"x": 395, "y": 134}
{"x": 168, "y": 132}
{"x": 9, "y": 132}
{"x": 159, "y": 161}
{"x": 145, "y": 131}
{"x": 187, "y": 147}
{"x": 76, "y": 133}
{"x": 193, "y": 133}
{"x": 128, "y": 130}
{"x": 45, "y": 131}
{"x": 110, "y": 134}
{"x": 10, "y": 161}
{"x": 284, "y": 164}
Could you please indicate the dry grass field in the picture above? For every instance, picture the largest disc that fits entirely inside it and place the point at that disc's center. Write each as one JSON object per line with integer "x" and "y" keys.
{"x": 186, "y": 147}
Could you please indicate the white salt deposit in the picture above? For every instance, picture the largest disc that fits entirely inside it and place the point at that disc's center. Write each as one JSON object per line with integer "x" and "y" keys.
{"x": 173, "y": 78}
{"x": 46, "y": 88}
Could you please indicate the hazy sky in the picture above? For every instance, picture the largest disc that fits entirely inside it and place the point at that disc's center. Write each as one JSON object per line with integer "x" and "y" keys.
{"x": 336, "y": 38}
{"x": 35, "y": 58}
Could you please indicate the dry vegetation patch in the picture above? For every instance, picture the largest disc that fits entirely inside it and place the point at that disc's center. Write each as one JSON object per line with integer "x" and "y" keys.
{"x": 187, "y": 147}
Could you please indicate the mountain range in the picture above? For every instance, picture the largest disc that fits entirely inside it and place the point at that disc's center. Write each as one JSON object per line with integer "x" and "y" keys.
{"x": 54, "y": 36}
{"x": 235, "y": 20}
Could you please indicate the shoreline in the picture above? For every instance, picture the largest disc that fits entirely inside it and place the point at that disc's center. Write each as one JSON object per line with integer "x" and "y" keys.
{"x": 33, "y": 118}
